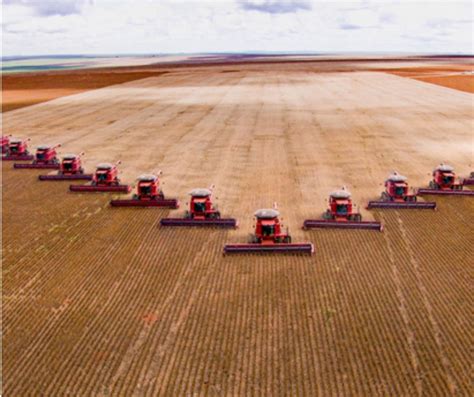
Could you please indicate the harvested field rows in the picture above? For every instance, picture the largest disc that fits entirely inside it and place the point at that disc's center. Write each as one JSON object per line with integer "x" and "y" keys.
{"x": 101, "y": 301}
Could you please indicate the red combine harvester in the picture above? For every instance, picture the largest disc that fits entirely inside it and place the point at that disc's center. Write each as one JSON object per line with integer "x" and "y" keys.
{"x": 469, "y": 180}
{"x": 18, "y": 151}
{"x": 202, "y": 212}
{"x": 397, "y": 196}
{"x": 341, "y": 215}
{"x": 45, "y": 157}
{"x": 5, "y": 143}
{"x": 269, "y": 237}
{"x": 70, "y": 169}
{"x": 149, "y": 194}
{"x": 105, "y": 179}
{"x": 444, "y": 182}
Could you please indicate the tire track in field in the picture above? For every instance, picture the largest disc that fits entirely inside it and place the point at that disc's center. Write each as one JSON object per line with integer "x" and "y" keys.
{"x": 435, "y": 327}
{"x": 410, "y": 336}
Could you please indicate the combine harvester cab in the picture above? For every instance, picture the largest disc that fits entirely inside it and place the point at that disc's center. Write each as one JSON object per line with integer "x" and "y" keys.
{"x": 397, "y": 196}
{"x": 18, "y": 150}
{"x": 69, "y": 169}
{"x": 202, "y": 212}
{"x": 45, "y": 158}
{"x": 149, "y": 194}
{"x": 269, "y": 237}
{"x": 105, "y": 179}
{"x": 341, "y": 215}
{"x": 444, "y": 182}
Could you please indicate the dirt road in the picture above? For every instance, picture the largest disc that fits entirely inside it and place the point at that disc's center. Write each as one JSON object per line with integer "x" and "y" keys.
{"x": 100, "y": 300}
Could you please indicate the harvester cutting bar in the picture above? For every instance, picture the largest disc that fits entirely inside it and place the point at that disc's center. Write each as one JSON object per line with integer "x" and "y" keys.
{"x": 95, "y": 188}
{"x": 12, "y": 157}
{"x": 402, "y": 205}
{"x": 329, "y": 224}
{"x": 168, "y": 203}
{"x": 304, "y": 248}
{"x": 36, "y": 166}
{"x": 446, "y": 192}
{"x": 66, "y": 177}
{"x": 221, "y": 222}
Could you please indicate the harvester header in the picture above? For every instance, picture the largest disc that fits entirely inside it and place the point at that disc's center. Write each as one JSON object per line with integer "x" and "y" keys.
{"x": 45, "y": 158}
{"x": 69, "y": 169}
{"x": 105, "y": 179}
{"x": 202, "y": 212}
{"x": 148, "y": 194}
{"x": 269, "y": 237}
{"x": 397, "y": 196}
{"x": 341, "y": 214}
{"x": 445, "y": 182}
{"x": 17, "y": 150}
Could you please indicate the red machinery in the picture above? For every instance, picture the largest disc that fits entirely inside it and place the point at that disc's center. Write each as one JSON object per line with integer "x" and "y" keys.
{"x": 444, "y": 182}
{"x": 70, "y": 169}
{"x": 396, "y": 195}
{"x": 469, "y": 180}
{"x": 202, "y": 212}
{"x": 45, "y": 157}
{"x": 149, "y": 194}
{"x": 269, "y": 237}
{"x": 5, "y": 143}
{"x": 105, "y": 179}
{"x": 341, "y": 215}
{"x": 18, "y": 150}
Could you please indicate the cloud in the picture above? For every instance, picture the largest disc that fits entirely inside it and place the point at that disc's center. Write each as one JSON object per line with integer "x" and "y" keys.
{"x": 51, "y": 7}
{"x": 349, "y": 26}
{"x": 173, "y": 26}
{"x": 275, "y": 6}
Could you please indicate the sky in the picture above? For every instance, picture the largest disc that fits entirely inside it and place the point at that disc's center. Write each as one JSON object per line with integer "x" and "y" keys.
{"x": 55, "y": 27}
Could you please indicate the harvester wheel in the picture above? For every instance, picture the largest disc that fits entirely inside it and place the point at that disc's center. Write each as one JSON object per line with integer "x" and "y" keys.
{"x": 253, "y": 239}
{"x": 136, "y": 197}
{"x": 327, "y": 215}
{"x": 357, "y": 217}
{"x": 385, "y": 197}
{"x": 287, "y": 240}
{"x": 214, "y": 215}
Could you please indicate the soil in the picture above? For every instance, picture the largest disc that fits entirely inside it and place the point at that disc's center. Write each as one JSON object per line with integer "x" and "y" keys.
{"x": 104, "y": 301}
{"x": 26, "y": 89}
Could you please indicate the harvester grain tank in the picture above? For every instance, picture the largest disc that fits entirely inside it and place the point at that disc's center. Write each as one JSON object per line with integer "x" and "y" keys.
{"x": 341, "y": 214}
{"x": 269, "y": 237}
{"x": 69, "y": 169}
{"x": 18, "y": 150}
{"x": 398, "y": 196}
{"x": 105, "y": 179}
{"x": 202, "y": 212}
{"x": 445, "y": 182}
{"x": 46, "y": 157}
{"x": 148, "y": 194}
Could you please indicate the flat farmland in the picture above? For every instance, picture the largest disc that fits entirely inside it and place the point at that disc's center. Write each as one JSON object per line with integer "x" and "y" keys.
{"x": 101, "y": 301}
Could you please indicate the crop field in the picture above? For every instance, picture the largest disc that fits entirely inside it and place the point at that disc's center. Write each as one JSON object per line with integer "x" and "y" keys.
{"x": 101, "y": 301}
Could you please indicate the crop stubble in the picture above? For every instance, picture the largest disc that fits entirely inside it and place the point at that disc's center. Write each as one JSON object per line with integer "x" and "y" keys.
{"x": 100, "y": 300}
